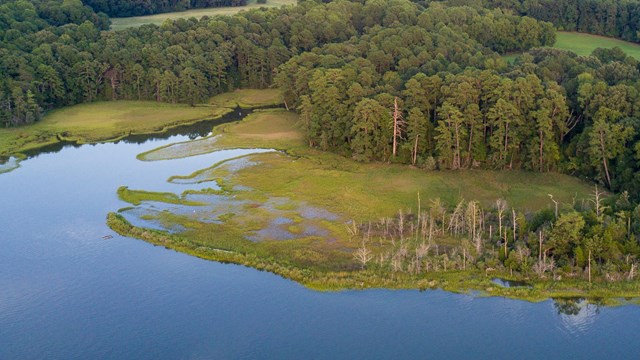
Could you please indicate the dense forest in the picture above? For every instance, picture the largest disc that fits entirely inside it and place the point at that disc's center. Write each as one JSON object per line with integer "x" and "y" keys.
{"x": 416, "y": 83}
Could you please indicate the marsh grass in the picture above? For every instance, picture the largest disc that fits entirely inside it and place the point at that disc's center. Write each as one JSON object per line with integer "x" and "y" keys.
{"x": 278, "y": 185}
{"x": 102, "y": 121}
{"x": 113, "y": 120}
{"x": 136, "y": 197}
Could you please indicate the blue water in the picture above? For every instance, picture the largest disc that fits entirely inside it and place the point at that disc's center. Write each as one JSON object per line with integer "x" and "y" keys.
{"x": 66, "y": 293}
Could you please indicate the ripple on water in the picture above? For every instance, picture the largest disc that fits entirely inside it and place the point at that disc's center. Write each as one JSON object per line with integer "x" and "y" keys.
{"x": 575, "y": 315}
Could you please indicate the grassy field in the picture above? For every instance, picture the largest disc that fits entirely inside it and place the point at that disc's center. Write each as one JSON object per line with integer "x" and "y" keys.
{"x": 584, "y": 44}
{"x": 248, "y": 98}
{"x": 110, "y": 120}
{"x": 158, "y": 19}
{"x": 101, "y": 121}
{"x": 319, "y": 177}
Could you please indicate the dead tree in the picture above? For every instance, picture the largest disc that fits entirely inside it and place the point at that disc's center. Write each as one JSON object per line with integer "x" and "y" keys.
{"x": 398, "y": 125}
{"x": 363, "y": 255}
{"x": 501, "y": 206}
{"x": 513, "y": 211}
{"x": 597, "y": 200}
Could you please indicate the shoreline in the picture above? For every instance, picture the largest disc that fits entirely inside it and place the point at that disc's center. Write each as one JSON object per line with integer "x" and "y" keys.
{"x": 457, "y": 281}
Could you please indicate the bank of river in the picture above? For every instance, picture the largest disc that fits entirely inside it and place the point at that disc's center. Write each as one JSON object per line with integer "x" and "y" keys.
{"x": 67, "y": 292}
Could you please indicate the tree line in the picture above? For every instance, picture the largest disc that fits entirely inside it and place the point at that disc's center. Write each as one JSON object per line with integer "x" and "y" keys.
{"x": 188, "y": 60}
{"x": 615, "y": 18}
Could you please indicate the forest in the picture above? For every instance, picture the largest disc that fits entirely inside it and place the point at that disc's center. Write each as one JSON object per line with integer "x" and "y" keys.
{"x": 418, "y": 83}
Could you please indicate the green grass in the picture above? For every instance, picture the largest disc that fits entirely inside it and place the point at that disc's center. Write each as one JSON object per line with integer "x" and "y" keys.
{"x": 263, "y": 129}
{"x": 248, "y": 98}
{"x": 110, "y": 120}
{"x": 584, "y": 44}
{"x": 136, "y": 197}
{"x": 372, "y": 190}
{"x": 100, "y": 121}
{"x": 158, "y": 19}
{"x": 298, "y": 261}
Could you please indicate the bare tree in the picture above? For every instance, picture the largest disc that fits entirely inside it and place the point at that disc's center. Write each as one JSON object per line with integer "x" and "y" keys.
{"x": 597, "y": 201}
{"x": 398, "y": 125}
{"x": 363, "y": 255}
{"x": 556, "y": 204}
{"x": 501, "y": 206}
{"x": 513, "y": 211}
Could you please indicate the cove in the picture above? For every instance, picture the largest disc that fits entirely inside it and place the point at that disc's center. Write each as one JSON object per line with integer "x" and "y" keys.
{"x": 69, "y": 293}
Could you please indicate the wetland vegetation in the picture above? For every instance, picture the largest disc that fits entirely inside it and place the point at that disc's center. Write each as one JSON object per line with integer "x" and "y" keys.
{"x": 412, "y": 102}
{"x": 307, "y": 215}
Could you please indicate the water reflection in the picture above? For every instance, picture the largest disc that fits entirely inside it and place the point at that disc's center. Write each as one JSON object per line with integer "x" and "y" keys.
{"x": 9, "y": 164}
{"x": 576, "y": 314}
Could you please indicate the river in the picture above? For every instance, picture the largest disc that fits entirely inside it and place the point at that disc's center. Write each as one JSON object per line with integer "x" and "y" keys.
{"x": 68, "y": 293}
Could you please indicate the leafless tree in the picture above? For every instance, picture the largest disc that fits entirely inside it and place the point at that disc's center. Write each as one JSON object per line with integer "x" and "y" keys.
{"x": 597, "y": 201}
{"x": 398, "y": 125}
{"x": 501, "y": 206}
{"x": 363, "y": 255}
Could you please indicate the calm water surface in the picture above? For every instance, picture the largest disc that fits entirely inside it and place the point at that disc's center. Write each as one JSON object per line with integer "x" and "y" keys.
{"x": 66, "y": 293}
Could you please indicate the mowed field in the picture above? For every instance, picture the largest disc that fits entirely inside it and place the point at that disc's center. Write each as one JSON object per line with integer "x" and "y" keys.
{"x": 158, "y": 19}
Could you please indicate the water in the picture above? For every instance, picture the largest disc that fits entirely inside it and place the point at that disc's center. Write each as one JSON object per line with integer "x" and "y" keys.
{"x": 66, "y": 293}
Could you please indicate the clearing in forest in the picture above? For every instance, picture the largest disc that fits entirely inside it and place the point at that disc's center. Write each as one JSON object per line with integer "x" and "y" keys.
{"x": 158, "y": 19}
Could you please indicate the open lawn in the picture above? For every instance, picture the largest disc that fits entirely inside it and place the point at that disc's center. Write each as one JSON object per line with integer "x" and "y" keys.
{"x": 158, "y": 19}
